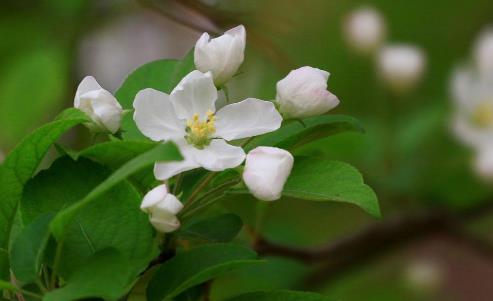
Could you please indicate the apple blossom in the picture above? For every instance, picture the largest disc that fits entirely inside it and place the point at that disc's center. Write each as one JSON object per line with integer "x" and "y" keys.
{"x": 188, "y": 117}
{"x": 162, "y": 208}
{"x": 222, "y": 56}
{"x": 100, "y": 105}
{"x": 401, "y": 66}
{"x": 483, "y": 162}
{"x": 483, "y": 51}
{"x": 266, "y": 171}
{"x": 303, "y": 93}
{"x": 364, "y": 29}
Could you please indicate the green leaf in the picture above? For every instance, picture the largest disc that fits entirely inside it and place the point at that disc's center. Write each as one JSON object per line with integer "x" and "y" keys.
{"x": 320, "y": 179}
{"x": 280, "y": 296}
{"x": 196, "y": 266}
{"x": 5, "y": 285}
{"x": 161, "y": 152}
{"x": 222, "y": 228}
{"x": 294, "y": 134}
{"x": 21, "y": 164}
{"x": 28, "y": 249}
{"x": 116, "y": 153}
{"x": 162, "y": 75}
{"x": 112, "y": 220}
{"x": 105, "y": 275}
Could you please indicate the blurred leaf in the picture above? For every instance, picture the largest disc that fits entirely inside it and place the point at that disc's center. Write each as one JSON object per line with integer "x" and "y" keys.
{"x": 320, "y": 179}
{"x": 28, "y": 249}
{"x": 112, "y": 220}
{"x": 222, "y": 228}
{"x": 31, "y": 88}
{"x": 21, "y": 164}
{"x": 162, "y": 75}
{"x": 295, "y": 134}
{"x": 196, "y": 266}
{"x": 159, "y": 153}
{"x": 280, "y": 296}
{"x": 105, "y": 274}
{"x": 5, "y": 285}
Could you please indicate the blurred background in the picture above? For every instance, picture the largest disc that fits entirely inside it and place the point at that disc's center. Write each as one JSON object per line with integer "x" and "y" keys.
{"x": 417, "y": 74}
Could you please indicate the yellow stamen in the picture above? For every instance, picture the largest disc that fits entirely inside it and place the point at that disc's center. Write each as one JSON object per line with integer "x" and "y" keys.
{"x": 483, "y": 115}
{"x": 200, "y": 132}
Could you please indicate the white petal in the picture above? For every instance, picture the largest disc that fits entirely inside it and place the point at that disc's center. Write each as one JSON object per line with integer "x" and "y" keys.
{"x": 195, "y": 94}
{"x": 219, "y": 155}
{"x": 107, "y": 109}
{"x": 167, "y": 225}
{"x": 155, "y": 116}
{"x": 247, "y": 118}
{"x": 153, "y": 197}
{"x": 87, "y": 84}
{"x": 164, "y": 171}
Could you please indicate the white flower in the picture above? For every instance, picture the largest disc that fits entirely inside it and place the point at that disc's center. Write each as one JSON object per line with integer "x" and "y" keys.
{"x": 473, "y": 99}
{"x": 483, "y": 51}
{"x": 266, "y": 172}
{"x": 483, "y": 162}
{"x": 364, "y": 29}
{"x": 401, "y": 66}
{"x": 303, "y": 93}
{"x": 100, "y": 105}
{"x": 221, "y": 56}
{"x": 162, "y": 208}
{"x": 188, "y": 117}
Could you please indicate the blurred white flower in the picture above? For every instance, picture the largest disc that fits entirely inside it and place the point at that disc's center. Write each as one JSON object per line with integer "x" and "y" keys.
{"x": 222, "y": 56}
{"x": 473, "y": 98}
{"x": 483, "y": 51}
{"x": 100, "y": 105}
{"x": 424, "y": 275}
{"x": 364, "y": 29}
{"x": 162, "y": 208}
{"x": 188, "y": 117}
{"x": 483, "y": 162}
{"x": 303, "y": 93}
{"x": 401, "y": 66}
{"x": 266, "y": 171}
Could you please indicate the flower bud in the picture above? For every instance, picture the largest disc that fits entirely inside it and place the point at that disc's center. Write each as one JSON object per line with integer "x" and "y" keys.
{"x": 222, "y": 56}
{"x": 401, "y": 66}
{"x": 100, "y": 105}
{"x": 364, "y": 30}
{"x": 483, "y": 51}
{"x": 303, "y": 93}
{"x": 162, "y": 208}
{"x": 266, "y": 172}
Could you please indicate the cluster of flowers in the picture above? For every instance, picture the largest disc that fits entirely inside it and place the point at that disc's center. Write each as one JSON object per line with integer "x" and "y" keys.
{"x": 188, "y": 116}
{"x": 400, "y": 66}
{"x": 472, "y": 91}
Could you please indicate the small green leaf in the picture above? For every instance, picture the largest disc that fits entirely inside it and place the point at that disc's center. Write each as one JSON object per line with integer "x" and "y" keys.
{"x": 21, "y": 164}
{"x": 280, "y": 296}
{"x": 196, "y": 266}
{"x": 294, "y": 134}
{"x": 28, "y": 249}
{"x": 5, "y": 285}
{"x": 105, "y": 275}
{"x": 325, "y": 180}
{"x": 222, "y": 228}
{"x": 162, "y": 75}
{"x": 161, "y": 152}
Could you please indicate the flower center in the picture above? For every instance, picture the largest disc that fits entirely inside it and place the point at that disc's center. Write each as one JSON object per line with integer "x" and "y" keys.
{"x": 483, "y": 115}
{"x": 199, "y": 132}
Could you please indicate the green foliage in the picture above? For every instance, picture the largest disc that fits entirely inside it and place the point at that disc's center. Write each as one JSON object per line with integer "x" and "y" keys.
{"x": 196, "y": 266}
{"x": 280, "y": 296}
{"x": 21, "y": 164}
{"x": 162, "y": 75}
{"x": 113, "y": 219}
{"x": 295, "y": 133}
{"x": 160, "y": 153}
{"x": 221, "y": 228}
{"x": 319, "y": 179}
{"x": 28, "y": 249}
{"x": 105, "y": 274}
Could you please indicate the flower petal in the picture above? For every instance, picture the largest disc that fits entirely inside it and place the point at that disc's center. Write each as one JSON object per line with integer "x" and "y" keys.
{"x": 247, "y": 118}
{"x": 195, "y": 94}
{"x": 219, "y": 155}
{"x": 155, "y": 116}
{"x": 87, "y": 84}
{"x": 164, "y": 171}
{"x": 107, "y": 109}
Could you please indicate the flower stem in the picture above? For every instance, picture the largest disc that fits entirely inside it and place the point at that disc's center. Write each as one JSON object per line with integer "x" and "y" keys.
{"x": 199, "y": 188}
{"x": 31, "y": 294}
{"x": 177, "y": 186}
{"x": 226, "y": 93}
{"x": 56, "y": 263}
